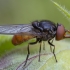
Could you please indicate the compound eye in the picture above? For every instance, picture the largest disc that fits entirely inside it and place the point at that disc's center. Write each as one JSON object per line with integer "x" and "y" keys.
{"x": 60, "y": 32}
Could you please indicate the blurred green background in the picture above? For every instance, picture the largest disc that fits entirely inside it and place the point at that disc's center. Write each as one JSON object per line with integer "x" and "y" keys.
{"x": 26, "y": 11}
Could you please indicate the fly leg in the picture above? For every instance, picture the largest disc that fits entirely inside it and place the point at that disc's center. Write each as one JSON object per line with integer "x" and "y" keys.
{"x": 40, "y": 41}
{"x": 27, "y": 55}
{"x": 53, "y": 49}
{"x": 43, "y": 45}
{"x": 39, "y": 51}
{"x": 51, "y": 45}
{"x": 29, "y": 50}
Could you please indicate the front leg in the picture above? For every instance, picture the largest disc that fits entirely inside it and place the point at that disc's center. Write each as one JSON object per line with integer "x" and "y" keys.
{"x": 51, "y": 45}
{"x": 53, "y": 49}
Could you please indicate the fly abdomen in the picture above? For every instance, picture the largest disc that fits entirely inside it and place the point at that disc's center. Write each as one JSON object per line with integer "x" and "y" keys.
{"x": 18, "y": 39}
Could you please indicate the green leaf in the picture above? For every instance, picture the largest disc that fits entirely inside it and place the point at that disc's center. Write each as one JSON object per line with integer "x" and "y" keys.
{"x": 15, "y": 59}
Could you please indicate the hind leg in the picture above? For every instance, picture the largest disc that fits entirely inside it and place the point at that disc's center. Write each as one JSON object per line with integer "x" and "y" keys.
{"x": 29, "y": 50}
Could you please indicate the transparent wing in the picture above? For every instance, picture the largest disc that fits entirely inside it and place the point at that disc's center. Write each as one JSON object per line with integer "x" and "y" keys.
{"x": 18, "y": 29}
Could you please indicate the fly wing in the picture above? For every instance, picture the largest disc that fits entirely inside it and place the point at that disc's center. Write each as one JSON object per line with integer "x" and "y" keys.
{"x": 25, "y": 29}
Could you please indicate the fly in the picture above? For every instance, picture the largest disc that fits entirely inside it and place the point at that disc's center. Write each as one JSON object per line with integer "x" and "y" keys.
{"x": 44, "y": 30}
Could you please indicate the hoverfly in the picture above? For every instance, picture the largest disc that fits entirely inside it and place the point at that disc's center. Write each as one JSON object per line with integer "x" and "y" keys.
{"x": 44, "y": 30}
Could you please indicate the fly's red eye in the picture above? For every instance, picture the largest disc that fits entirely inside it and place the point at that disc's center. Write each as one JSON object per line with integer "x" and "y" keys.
{"x": 60, "y": 32}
